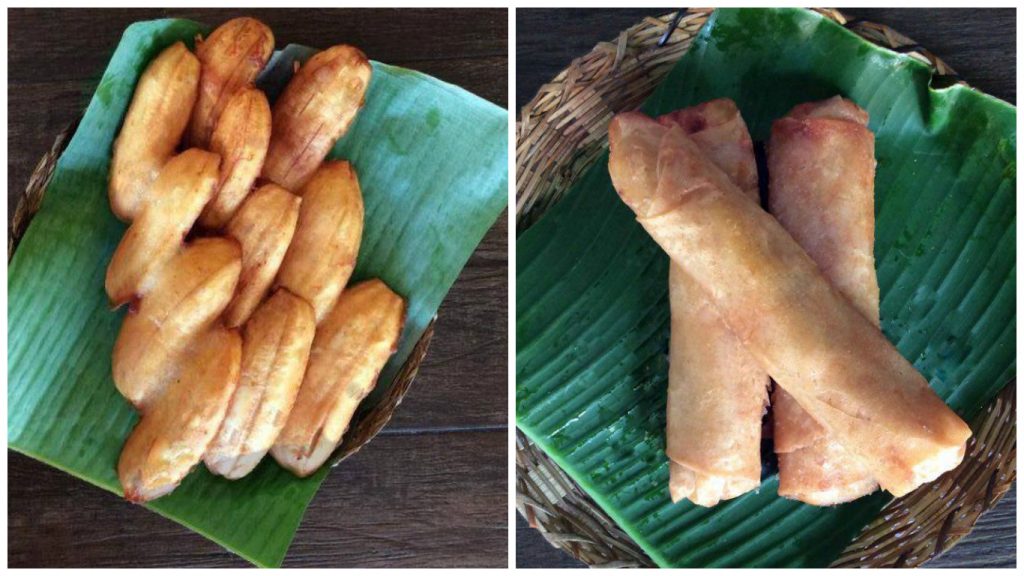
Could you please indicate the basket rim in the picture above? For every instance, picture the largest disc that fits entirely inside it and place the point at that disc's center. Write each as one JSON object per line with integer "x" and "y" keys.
{"x": 527, "y": 452}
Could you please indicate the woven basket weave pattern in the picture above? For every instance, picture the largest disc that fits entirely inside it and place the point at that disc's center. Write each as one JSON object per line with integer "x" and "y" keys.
{"x": 560, "y": 134}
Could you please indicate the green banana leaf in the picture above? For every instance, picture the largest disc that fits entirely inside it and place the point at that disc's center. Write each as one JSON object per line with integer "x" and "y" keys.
{"x": 592, "y": 311}
{"x": 432, "y": 161}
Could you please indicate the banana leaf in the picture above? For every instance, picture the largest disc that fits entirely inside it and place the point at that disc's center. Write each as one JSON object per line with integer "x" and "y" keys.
{"x": 592, "y": 310}
{"x": 432, "y": 160}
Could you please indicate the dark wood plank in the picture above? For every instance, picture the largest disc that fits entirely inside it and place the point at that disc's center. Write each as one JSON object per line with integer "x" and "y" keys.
{"x": 390, "y": 35}
{"x": 57, "y": 520}
{"x": 979, "y": 44}
{"x": 462, "y": 382}
{"x": 37, "y": 113}
{"x": 992, "y": 543}
{"x": 547, "y": 40}
{"x": 447, "y": 506}
{"x": 533, "y": 551}
{"x": 425, "y": 500}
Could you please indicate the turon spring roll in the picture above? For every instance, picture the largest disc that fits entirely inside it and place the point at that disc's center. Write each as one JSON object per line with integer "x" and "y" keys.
{"x": 717, "y": 392}
{"x": 821, "y": 166}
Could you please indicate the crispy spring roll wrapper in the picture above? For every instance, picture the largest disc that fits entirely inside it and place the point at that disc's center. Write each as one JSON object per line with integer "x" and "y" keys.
{"x": 191, "y": 291}
{"x": 152, "y": 129}
{"x": 185, "y": 184}
{"x": 323, "y": 250}
{"x": 350, "y": 348}
{"x": 804, "y": 333}
{"x": 240, "y": 138}
{"x": 275, "y": 349}
{"x": 314, "y": 111}
{"x": 717, "y": 392}
{"x": 232, "y": 57}
{"x": 264, "y": 225}
{"x": 172, "y": 436}
{"x": 822, "y": 168}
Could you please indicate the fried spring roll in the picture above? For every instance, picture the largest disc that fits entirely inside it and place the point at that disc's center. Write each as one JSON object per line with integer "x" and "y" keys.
{"x": 717, "y": 392}
{"x": 808, "y": 337}
{"x": 171, "y": 438}
{"x": 275, "y": 349}
{"x": 350, "y": 348}
{"x": 822, "y": 168}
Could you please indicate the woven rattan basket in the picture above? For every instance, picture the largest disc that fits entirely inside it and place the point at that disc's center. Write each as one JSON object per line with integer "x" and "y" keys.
{"x": 366, "y": 424}
{"x": 560, "y": 134}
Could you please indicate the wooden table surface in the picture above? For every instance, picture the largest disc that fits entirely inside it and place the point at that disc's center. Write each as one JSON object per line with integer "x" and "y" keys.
{"x": 979, "y": 44}
{"x": 431, "y": 490}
